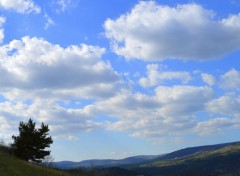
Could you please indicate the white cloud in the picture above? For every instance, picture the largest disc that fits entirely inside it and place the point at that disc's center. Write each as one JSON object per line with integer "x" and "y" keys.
{"x": 170, "y": 112}
{"x": 2, "y": 21}
{"x": 156, "y": 77}
{"x": 183, "y": 100}
{"x": 49, "y": 21}
{"x": 64, "y": 123}
{"x": 208, "y": 79}
{"x": 42, "y": 74}
{"x": 63, "y": 5}
{"x": 217, "y": 125}
{"x": 20, "y": 6}
{"x": 154, "y": 32}
{"x": 231, "y": 79}
{"x": 33, "y": 67}
{"x": 226, "y": 105}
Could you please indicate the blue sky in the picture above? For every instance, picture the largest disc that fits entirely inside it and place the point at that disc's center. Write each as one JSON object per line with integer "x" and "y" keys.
{"x": 118, "y": 78}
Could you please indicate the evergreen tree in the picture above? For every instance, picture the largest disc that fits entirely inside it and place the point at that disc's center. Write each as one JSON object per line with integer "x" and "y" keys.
{"x": 31, "y": 143}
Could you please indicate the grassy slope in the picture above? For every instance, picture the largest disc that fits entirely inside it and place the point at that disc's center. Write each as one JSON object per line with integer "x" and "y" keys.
{"x": 224, "y": 161}
{"x": 11, "y": 166}
{"x": 113, "y": 171}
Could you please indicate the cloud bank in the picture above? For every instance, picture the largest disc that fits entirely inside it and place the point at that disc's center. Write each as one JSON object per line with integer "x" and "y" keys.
{"x": 169, "y": 112}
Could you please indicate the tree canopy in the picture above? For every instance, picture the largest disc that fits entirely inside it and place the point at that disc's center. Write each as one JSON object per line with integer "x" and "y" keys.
{"x": 31, "y": 142}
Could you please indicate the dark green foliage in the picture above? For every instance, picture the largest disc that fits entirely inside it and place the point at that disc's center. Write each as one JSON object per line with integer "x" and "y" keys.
{"x": 31, "y": 143}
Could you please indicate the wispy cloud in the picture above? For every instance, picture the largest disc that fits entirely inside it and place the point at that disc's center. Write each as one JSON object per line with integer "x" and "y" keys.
{"x": 49, "y": 21}
{"x": 64, "y": 5}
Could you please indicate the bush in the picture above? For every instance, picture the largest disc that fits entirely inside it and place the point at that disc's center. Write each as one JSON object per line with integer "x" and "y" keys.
{"x": 5, "y": 147}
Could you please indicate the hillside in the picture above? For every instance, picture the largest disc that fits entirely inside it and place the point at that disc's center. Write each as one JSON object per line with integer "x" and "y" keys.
{"x": 219, "y": 161}
{"x": 214, "y": 160}
{"x": 113, "y": 171}
{"x": 192, "y": 150}
{"x": 210, "y": 160}
{"x": 11, "y": 166}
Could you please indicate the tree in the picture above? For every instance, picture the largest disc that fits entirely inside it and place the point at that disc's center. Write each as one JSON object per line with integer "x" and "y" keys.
{"x": 31, "y": 143}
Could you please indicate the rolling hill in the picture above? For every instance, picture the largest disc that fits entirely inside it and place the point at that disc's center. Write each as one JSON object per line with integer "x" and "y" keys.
{"x": 215, "y": 160}
{"x": 212, "y": 160}
{"x": 192, "y": 150}
{"x": 12, "y": 166}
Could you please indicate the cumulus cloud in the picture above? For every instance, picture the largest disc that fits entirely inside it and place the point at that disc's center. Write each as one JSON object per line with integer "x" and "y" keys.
{"x": 156, "y": 77}
{"x": 226, "y": 105}
{"x": 64, "y": 123}
{"x": 20, "y": 6}
{"x": 217, "y": 125}
{"x": 231, "y": 79}
{"x": 208, "y": 79}
{"x": 42, "y": 69}
{"x": 154, "y": 32}
{"x": 171, "y": 111}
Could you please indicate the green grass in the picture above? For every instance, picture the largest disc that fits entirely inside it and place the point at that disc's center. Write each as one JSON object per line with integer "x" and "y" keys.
{"x": 12, "y": 166}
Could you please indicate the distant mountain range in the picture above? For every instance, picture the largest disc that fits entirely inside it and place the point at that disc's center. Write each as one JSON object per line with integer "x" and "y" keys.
{"x": 211, "y": 160}
{"x": 105, "y": 163}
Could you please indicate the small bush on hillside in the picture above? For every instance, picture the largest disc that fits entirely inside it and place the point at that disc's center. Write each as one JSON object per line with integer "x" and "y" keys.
{"x": 48, "y": 161}
{"x": 5, "y": 147}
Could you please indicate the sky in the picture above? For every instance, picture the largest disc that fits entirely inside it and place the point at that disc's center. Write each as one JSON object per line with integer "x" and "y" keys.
{"x": 118, "y": 78}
